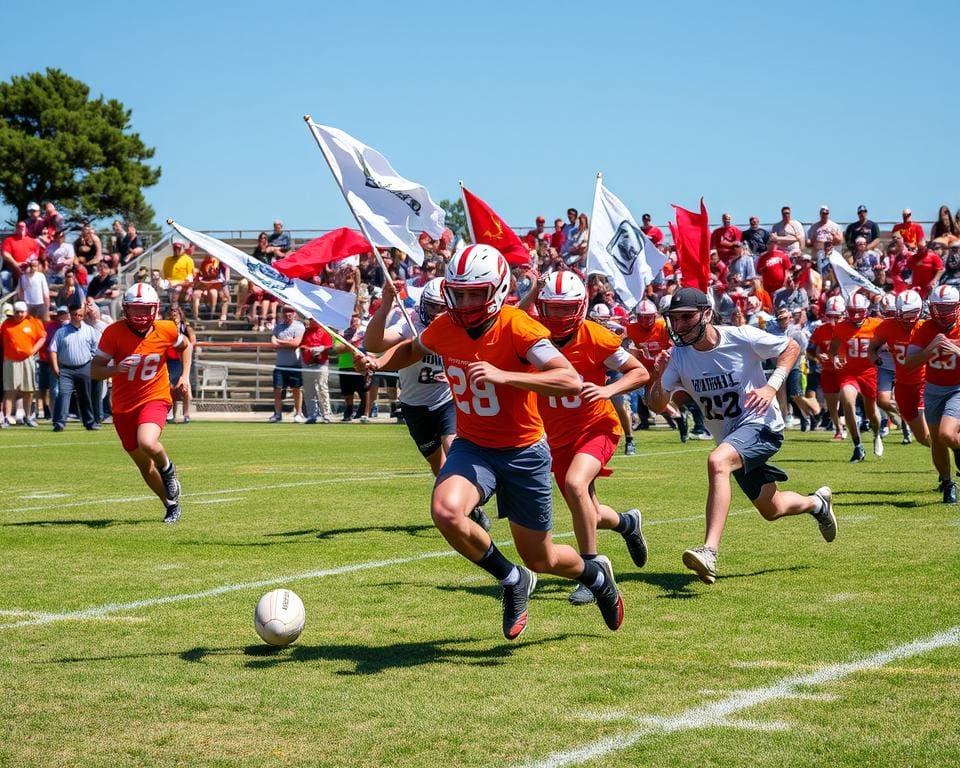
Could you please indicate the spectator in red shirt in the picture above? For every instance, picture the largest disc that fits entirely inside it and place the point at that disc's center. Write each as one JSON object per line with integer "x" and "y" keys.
{"x": 723, "y": 238}
{"x": 772, "y": 266}
{"x": 925, "y": 268}
{"x": 17, "y": 248}
{"x": 912, "y": 232}
{"x": 315, "y": 349}
{"x": 557, "y": 238}
{"x": 654, "y": 233}
{"x": 534, "y": 236}
{"x": 718, "y": 271}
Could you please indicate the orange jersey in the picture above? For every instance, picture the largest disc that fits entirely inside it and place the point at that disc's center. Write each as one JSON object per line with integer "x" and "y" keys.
{"x": 854, "y": 344}
{"x": 148, "y": 380}
{"x": 19, "y": 339}
{"x": 567, "y": 418}
{"x": 820, "y": 339}
{"x": 941, "y": 369}
{"x": 896, "y": 336}
{"x": 650, "y": 343}
{"x": 490, "y": 415}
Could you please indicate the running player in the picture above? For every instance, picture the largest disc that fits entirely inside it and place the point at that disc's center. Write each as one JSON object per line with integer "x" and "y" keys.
{"x": 936, "y": 345}
{"x": 721, "y": 367}
{"x": 819, "y": 349}
{"x": 886, "y": 372}
{"x": 133, "y": 353}
{"x": 497, "y": 359}
{"x": 426, "y": 401}
{"x": 894, "y": 335}
{"x": 583, "y": 430}
{"x": 857, "y": 372}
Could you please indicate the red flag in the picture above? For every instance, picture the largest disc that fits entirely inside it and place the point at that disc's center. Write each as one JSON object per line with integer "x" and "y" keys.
{"x": 691, "y": 235}
{"x": 489, "y": 229}
{"x": 309, "y": 258}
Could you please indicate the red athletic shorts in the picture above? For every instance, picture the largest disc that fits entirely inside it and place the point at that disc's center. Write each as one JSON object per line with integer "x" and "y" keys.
{"x": 909, "y": 399}
{"x": 829, "y": 382}
{"x": 865, "y": 383}
{"x": 154, "y": 412}
{"x": 600, "y": 445}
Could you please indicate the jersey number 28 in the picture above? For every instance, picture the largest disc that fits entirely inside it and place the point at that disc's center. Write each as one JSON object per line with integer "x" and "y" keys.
{"x": 483, "y": 397}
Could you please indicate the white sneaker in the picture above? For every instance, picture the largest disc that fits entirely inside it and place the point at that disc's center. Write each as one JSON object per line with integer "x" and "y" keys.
{"x": 703, "y": 562}
{"x": 826, "y": 519}
{"x": 789, "y": 420}
{"x": 364, "y": 419}
{"x": 299, "y": 418}
{"x": 878, "y": 446}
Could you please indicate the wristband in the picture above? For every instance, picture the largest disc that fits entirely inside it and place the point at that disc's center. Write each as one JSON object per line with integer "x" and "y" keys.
{"x": 777, "y": 377}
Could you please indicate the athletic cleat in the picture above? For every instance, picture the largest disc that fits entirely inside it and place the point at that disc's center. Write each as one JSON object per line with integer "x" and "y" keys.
{"x": 907, "y": 438}
{"x": 859, "y": 454}
{"x": 630, "y": 449}
{"x": 480, "y": 518}
{"x": 609, "y": 599}
{"x": 171, "y": 484}
{"x": 636, "y": 544}
{"x": 703, "y": 562}
{"x": 515, "y": 599}
{"x": 581, "y": 596}
{"x": 949, "y": 492}
{"x": 826, "y": 519}
{"x": 684, "y": 427}
{"x": 173, "y": 514}
{"x": 701, "y": 434}
{"x": 878, "y": 446}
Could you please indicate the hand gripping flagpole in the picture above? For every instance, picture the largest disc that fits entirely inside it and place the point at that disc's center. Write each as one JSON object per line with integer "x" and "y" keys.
{"x": 376, "y": 253}
{"x": 325, "y": 327}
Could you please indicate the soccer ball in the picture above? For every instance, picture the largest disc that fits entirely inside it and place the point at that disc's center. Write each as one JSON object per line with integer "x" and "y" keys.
{"x": 279, "y": 617}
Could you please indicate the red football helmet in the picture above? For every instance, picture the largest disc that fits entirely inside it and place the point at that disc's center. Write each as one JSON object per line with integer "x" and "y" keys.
{"x": 909, "y": 307}
{"x": 140, "y": 306}
{"x": 476, "y": 284}
{"x": 647, "y": 314}
{"x": 858, "y": 308}
{"x": 562, "y": 303}
{"x": 944, "y": 303}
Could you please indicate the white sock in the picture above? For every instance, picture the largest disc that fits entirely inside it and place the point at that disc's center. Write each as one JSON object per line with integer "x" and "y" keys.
{"x": 512, "y": 578}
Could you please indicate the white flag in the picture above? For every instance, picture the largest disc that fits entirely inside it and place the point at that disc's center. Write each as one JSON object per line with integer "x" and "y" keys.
{"x": 619, "y": 249}
{"x": 849, "y": 279}
{"x": 325, "y": 305}
{"x": 385, "y": 204}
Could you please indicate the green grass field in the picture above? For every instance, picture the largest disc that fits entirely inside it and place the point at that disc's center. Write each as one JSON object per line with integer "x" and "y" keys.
{"x": 127, "y": 642}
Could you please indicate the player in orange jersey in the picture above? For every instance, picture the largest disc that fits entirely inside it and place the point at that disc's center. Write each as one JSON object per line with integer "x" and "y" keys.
{"x": 819, "y": 350}
{"x": 894, "y": 334}
{"x": 650, "y": 337}
{"x": 133, "y": 353}
{"x": 497, "y": 359}
{"x": 583, "y": 430}
{"x": 936, "y": 345}
{"x": 857, "y": 372}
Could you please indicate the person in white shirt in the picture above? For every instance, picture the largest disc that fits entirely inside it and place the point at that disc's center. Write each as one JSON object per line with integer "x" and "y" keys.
{"x": 720, "y": 368}
{"x": 34, "y": 291}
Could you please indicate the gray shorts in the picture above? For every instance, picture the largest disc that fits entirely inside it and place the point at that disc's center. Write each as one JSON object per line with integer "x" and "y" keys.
{"x": 940, "y": 401}
{"x": 885, "y": 380}
{"x": 20, "y": 375}
{"x": 755, "y": 443}
{"x": 520, "y": 477}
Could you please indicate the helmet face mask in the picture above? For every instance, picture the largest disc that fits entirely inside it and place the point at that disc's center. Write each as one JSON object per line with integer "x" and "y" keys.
{"x": 562, "y": 303}
{"x": 687, "y": 326}
{"x": 944, "y": 303}
{"x": 888, "y": 306}
{"x": 141, "y": 306}
{"x": 476, "y": 285}
{"x": 647, "y": 314}
{"x": 431, "y": 303}
{"x": 857, "y": 309}
{"x": 909, "y": 307}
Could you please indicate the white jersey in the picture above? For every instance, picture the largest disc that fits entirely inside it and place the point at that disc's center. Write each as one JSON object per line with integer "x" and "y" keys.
{"x": 718, "y": 380}
{"x": 418, "y": 384}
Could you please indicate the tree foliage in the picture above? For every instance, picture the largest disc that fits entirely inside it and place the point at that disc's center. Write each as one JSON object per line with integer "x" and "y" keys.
{"x": 456, "y": 218}
{"x": 58, "y": 144}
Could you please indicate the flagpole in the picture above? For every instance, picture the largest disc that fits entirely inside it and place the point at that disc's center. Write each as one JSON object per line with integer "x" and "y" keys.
{"x": 466, "y": 211}
{"x": 376, "y": 253}
{"x": 593, "y": 213}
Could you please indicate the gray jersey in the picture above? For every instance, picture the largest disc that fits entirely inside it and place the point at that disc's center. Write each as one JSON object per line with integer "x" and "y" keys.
{"x": 418, "y": 384}
{"x": 719, "y": 379}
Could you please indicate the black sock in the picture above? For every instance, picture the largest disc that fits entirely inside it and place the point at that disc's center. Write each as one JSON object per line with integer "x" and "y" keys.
{"x": 629, "y": 440}
{"x": 167, "y": 469}
{"x": 494, "y": 563}
{"x": 592, "y": 574}
{"x": 626, "y": 524}
{"x": 588, "y": 556}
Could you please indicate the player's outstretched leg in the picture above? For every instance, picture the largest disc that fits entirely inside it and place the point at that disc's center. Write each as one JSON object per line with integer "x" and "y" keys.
{"x": 157, "y": 470}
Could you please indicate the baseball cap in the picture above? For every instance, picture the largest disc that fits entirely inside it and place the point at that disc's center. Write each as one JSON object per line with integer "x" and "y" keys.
{"x": 689, "y": 298}
{"x": 19, "y": 306}
{"x": 541, "y": 220}
{"x": 824, "y": 208}
{"x": 62, "y": 310}
{"x": 861, "y": 209}
{"x": 33, "y": 207}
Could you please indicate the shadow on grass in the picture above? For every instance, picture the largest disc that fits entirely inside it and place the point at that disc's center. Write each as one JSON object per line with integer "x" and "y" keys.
{"x": 320, "y": 533}
{"x": 96, "y": 524}
{"x": 909, "y": 504}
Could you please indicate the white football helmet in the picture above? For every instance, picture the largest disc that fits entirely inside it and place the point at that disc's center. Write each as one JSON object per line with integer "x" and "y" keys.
{"x": 140, "y": 306}
{"x": 836, "y": 308}
{"x": 888, "y": 306}
{"x": 944, "y": 303}
{"x": 600, "y": 313}
{"x": 909, "y": 307}
{"x": 431, "y": 301}
{"x": 754, "y": 305}
{"x": 476, "y": 284}
{"x": 562, "y": 303}
{"x": 646, "y": 314}
{"x": 858, "y": 308}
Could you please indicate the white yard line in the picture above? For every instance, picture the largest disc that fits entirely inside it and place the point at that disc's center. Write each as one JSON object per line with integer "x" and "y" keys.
{"x": 720, "y": 713}
{"x": 99, "y": 611}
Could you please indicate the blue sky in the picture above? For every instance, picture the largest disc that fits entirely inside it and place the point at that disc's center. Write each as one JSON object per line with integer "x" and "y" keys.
{"x": 750, "y": 104}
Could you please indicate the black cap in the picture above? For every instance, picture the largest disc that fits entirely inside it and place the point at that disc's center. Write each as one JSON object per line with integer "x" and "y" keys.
{"x": 689, "y": 298}
{"x": 861, "y": 209}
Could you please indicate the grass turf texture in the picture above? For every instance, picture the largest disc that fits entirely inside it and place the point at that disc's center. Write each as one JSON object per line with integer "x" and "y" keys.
{"x": 404, "y": 664}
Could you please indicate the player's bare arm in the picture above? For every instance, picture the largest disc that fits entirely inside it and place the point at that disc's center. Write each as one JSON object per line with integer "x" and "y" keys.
{"x": 554, "y": 376}
{"x": 401, "y": 356}
{"x": 378, "y": 337}
{"x": 657, "y": 397}
{"x": 759, "y": 399}
{"x": 634, "y": 375}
